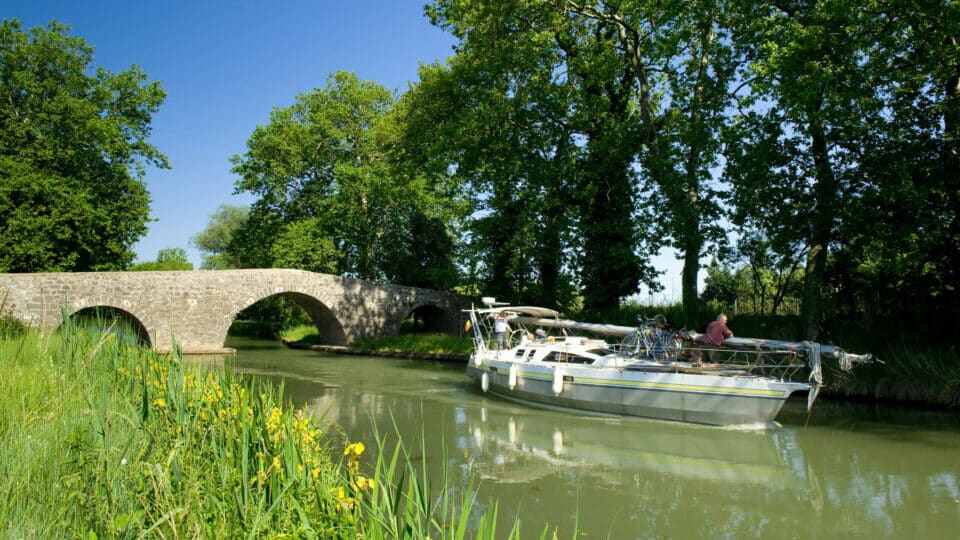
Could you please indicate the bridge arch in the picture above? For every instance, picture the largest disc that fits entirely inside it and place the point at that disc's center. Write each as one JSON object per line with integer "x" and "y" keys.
{"x": 112, "y": 314}
{"x": 428, "y": 317}
{"x": 196, "y": 308}
{"x": 329, "y": 326}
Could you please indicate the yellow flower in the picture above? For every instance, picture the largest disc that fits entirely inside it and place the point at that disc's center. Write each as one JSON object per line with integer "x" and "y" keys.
{"x": 364, "y": 483}
{"x": 159, "y": 402}
{"x": 356, "y": 449}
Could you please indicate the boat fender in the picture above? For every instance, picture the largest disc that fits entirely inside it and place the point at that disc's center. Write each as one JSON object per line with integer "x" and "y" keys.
{"x": 512, "y": 378}
{"x": 557, "y": 381}
{"x": 485, "y": 381}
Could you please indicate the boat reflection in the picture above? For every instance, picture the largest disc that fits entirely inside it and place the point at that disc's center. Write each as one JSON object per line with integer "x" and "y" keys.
{"x": 516, "y": 447}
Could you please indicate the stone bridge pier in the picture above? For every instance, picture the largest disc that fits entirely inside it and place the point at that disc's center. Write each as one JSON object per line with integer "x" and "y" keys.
{"x": 195, "y": 309}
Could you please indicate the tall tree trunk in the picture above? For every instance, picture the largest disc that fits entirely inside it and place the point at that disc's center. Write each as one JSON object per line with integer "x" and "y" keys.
{"x": 550, "y": 249}
{"x": 688, "y": 211}
{"x": 825, "y": 194}
{"x": 610, "y": 265}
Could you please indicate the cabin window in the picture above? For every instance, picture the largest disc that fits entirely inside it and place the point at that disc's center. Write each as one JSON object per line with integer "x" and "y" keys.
{"x": 520, "y": 353}
{"x": 567, "y": 358}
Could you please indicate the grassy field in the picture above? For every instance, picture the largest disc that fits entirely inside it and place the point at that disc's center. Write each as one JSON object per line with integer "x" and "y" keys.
{"x": 103, "y": 439}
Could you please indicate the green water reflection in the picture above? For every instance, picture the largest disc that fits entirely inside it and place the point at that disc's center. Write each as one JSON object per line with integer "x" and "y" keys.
{"x": 860, "y": 472}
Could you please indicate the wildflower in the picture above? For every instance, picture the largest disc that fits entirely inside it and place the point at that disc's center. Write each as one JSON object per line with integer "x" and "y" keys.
{"x": 355, "y": 449}
{"x": 159, "y": 402}
{"x": 364, "y": 483}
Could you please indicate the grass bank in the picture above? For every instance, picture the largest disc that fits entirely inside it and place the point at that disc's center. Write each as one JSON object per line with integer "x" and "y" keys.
{"x": 408, "y": 342}
{"x": 103, "y": 439}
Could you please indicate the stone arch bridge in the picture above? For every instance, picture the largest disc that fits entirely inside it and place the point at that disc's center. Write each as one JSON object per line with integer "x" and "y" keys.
{"x": 196, "y": 308}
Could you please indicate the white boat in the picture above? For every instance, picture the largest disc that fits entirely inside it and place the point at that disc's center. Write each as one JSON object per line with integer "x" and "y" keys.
{"x": 649, "y": 371}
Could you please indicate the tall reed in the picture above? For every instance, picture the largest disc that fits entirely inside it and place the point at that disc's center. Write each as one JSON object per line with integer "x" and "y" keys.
{"x": 104, "y": 439}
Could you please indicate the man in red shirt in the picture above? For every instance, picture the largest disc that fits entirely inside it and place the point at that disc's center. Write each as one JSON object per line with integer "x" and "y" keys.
{"x": 717, "y": 333}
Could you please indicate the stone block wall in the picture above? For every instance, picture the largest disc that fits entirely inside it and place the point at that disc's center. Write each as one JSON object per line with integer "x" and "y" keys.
{"x": 197, "y": 308}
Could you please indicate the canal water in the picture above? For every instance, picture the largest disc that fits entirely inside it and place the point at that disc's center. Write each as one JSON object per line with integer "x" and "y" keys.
{"x": 843, "y": 472}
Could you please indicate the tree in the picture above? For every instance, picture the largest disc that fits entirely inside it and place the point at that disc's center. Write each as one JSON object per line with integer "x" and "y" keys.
{"x": 420, "y": 254}
{"x": 168, "y": 259}
{"x": 901, "y": 256}
{"x": 675, "y": 63}
{"x": 215, "y": 240}
{"x": 323, "y": 164}
{"x": 303, "y": 245}
{"x": 797, "y": 165}
{"x": 721, "y": 285}
{"x": 630, "y": 95}
{"x": 497, "y": 155}
{"x": 846, "y": 150}
{"x": 73, "y": 151}
{"x": 545, "y": 146}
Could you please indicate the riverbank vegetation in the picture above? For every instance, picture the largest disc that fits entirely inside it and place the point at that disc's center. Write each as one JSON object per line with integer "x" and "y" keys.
{"x": 103, "y": 439}
{"x": 420, "y": 342}
{"x": 813, "y": 153}
{"x": 912, "y": 372}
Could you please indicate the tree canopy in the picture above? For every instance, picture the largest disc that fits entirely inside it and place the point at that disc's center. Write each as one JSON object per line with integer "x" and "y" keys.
{"x": 214, "y": 241}
{"x": 73, "y": 151}
{"x": 813, "y": 145}
{"x": 330, "y": 194}
{"x": 168, "y": 259}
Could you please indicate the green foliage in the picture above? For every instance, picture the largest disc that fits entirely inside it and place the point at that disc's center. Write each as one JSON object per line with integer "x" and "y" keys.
{"x": 138, "y": 445}
{"x": 214, "y": 241}
{"x": 545, "y": 160}
{"x": 329, "y": 198}
{"x": 269, "y": 317}
{"x": 404, "y": 342}
{"x": 721, "y": 285}
{"x": 303, "y": 245}
{"x": 428, "y": 343}
{"x": 858, "y": 153}
{"x": 73, "y": 149}
{"x": 419, "y": 255}
{"x": 168, "y": 259}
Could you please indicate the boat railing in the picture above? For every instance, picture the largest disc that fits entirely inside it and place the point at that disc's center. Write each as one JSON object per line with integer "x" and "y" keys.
{"x": 654, "y": 341}
{"x": 780, "y": 364}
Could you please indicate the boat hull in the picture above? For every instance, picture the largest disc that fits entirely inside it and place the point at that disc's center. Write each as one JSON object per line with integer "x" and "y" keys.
{"x": 684, "y": 397}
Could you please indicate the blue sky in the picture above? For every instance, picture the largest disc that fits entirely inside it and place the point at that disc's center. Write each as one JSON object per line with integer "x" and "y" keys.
{"x": 226, "y": 65}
